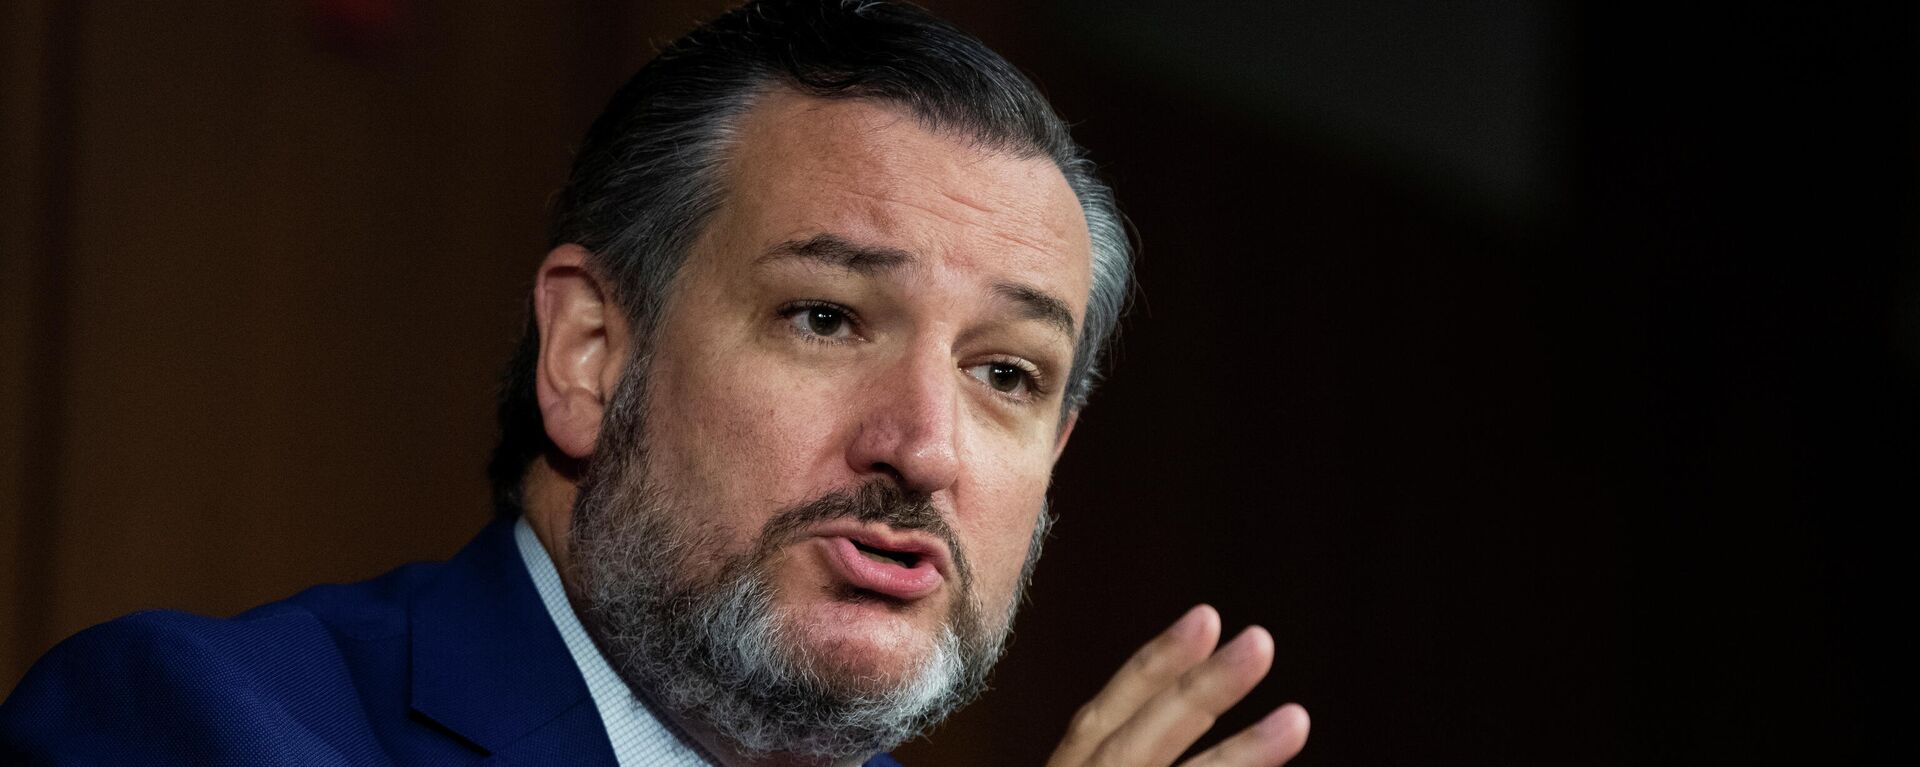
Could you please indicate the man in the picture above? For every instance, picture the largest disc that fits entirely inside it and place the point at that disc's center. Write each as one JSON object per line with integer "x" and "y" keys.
{"x": 829, "y": 289}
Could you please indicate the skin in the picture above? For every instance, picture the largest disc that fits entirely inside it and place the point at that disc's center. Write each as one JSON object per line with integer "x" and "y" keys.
{"x": 778, "y": 379}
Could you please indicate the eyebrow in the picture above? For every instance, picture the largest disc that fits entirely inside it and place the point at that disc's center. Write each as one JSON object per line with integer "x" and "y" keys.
{"x": 1036, "y": 304}
{"x": 866, "y": 260}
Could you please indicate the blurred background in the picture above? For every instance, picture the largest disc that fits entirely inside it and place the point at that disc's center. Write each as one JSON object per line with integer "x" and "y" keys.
{"x": 1546, "y": 376}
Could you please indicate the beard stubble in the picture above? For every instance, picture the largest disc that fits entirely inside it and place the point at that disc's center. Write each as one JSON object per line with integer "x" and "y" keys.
{"x": 716, "y": 648}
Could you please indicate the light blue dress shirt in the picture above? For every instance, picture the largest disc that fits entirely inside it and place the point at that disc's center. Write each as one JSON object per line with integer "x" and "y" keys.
{"x": 640, "y": 739}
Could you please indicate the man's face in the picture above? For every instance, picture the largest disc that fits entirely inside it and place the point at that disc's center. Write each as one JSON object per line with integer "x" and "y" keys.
{"x": 874, "y": 306}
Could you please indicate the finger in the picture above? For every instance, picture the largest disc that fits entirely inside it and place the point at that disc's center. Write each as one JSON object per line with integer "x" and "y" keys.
{"x": 1180, "y": 714}
{"x": 1152, "y": 668}
{"x": 1270, "y": 742}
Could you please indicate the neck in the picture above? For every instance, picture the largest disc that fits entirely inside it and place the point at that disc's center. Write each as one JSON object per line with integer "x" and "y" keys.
{"x": 547, "y": 498}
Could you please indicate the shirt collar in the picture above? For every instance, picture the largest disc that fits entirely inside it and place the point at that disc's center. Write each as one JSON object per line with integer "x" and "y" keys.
{"x": 640, "y": 739}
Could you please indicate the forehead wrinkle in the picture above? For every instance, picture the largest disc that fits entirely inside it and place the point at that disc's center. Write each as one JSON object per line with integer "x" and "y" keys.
{"x": 888, "y": 165}
{"x": 867, "y": 171}
{"x": 967, "y": 202}
{"x": 1040, "y": 249}
{"x": 839, "y": 252}
{"x": 888, "y": 199}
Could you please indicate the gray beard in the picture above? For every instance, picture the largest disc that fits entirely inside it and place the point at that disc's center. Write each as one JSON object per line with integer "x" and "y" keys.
{"x": 716, "y": 651}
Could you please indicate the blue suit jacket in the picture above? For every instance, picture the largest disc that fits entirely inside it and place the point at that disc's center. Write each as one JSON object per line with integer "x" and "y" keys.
{"x": 444, "y": 663}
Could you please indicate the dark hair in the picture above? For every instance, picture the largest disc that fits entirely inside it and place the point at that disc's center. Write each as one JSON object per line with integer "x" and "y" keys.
{"x": 648, "y": 175}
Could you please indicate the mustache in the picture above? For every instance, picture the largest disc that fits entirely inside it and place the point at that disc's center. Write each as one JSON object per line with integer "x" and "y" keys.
{"x": 876, "y": 501}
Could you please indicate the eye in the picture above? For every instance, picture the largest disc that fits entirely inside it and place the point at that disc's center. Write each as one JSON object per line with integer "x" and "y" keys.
{"x": 1007, "y": 377}
{"x": 821, "y": 321}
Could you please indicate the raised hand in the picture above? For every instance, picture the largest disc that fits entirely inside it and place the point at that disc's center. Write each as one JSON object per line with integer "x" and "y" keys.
{"x": 1169, "y": 694}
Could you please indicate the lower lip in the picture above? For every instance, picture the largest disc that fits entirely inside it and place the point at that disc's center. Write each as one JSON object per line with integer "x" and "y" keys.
{"x": 896, "y": 581}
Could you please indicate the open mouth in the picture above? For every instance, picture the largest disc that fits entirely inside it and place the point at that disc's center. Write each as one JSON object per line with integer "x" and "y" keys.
{"x": 883, "y": 556}
{"x": 860, "y": 561}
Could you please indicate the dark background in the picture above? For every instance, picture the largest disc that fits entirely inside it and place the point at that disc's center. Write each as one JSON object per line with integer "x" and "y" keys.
{"x": 1546, "y": 376}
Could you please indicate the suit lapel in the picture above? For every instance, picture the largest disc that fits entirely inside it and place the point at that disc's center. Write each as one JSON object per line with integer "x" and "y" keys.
{"x": 489, "y": 666}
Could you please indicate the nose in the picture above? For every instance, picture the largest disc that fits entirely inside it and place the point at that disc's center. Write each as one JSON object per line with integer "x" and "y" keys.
{"x": 909, "y": 425}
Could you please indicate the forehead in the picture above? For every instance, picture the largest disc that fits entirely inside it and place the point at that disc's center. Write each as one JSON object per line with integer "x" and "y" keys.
{"x": 868, "y": 171}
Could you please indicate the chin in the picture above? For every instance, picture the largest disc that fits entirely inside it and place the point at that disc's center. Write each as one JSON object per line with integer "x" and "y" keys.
{"x": 865, "y": 646}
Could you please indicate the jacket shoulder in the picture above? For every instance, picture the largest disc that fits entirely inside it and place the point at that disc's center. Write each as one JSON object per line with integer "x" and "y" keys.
{"x": 167, "y": 687}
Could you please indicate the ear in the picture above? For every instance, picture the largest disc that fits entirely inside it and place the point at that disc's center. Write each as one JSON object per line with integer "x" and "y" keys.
{"x": 583, "y": 349}
{"x": 1066, "y": 430}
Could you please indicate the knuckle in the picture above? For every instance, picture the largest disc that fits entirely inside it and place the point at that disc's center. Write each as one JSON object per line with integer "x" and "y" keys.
{"x": 1191, "y": 687}
{"x": 1156, "y": 658}
{"x": 1088, "y": 720}
{"x": 1143, "y": 662}
{"x": 1193, "y": 696}
{"x": 1114, "y": 754}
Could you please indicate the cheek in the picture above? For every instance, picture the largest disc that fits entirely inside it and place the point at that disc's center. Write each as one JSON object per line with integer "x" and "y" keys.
{"x": 1001, "y": 524}
{"x": 743, "y": 438}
